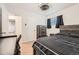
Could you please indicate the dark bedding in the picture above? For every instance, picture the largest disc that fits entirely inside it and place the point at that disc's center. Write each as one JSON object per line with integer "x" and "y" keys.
{"x": 61, "y": 44}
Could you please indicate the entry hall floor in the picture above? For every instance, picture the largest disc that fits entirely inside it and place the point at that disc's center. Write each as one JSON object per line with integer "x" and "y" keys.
{"x": 26, "y": 48}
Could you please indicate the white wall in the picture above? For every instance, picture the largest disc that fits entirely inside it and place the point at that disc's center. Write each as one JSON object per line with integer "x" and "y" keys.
{"x": 7, "y": 45}
{"x": 6, "y": 15}
{"x": 29, "y": 31}
{"x": 53, "y": 30}
{"x": 70, "y": 16}
{"x": 4, "y": 19}
{"x": 18, "y": 23}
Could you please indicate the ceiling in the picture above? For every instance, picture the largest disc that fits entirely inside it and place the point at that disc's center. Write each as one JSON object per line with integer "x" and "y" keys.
{"x": 19, "y": 8}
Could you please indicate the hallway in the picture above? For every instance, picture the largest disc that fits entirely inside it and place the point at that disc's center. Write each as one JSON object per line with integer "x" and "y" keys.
{"x": 26, "y": 48}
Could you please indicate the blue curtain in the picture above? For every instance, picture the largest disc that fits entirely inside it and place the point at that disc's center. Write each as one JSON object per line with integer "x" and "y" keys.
{"x": 48, "y": 23}
{"x": 59, "y": 21}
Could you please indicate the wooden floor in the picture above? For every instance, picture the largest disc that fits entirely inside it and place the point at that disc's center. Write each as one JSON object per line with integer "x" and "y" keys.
{"x": 26, "y": 48}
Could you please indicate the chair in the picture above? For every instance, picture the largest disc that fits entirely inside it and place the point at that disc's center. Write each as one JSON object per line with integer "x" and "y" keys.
{"x": 17, "y": 46}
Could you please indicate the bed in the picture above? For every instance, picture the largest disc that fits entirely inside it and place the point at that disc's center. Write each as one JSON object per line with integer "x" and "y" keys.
{"x": 64, "y": 43}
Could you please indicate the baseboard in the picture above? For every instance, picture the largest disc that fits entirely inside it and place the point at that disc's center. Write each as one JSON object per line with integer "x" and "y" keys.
{"x": 26, "y": 41}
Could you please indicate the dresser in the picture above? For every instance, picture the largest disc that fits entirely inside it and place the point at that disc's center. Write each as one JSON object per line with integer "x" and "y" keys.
{"x": 41, "y": 31}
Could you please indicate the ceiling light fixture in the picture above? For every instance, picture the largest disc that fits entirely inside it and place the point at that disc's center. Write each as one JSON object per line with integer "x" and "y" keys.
{"x": 44, "y": 6}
